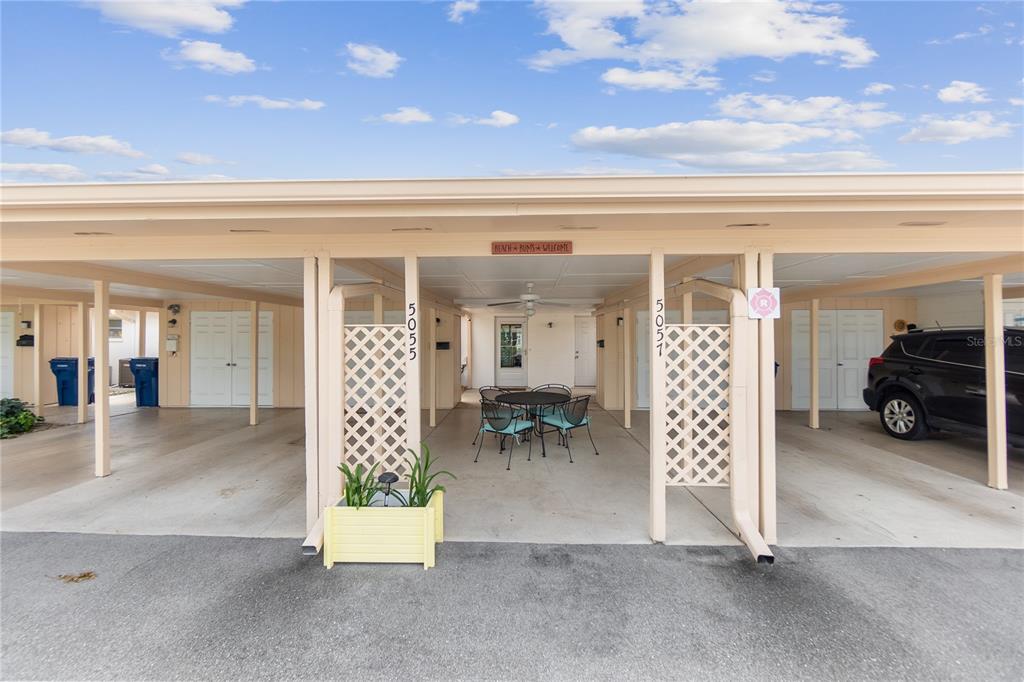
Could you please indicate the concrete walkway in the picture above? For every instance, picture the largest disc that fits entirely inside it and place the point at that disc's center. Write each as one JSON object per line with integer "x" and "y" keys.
{"x": 231, "y": 608}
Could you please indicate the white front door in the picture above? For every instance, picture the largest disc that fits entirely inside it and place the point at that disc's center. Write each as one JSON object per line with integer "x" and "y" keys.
{"x": 859, "y": 338}
{"x": 643, "y": 354}
{"x": 586, "y": 351}
{"x": 510, "y": 351}
{"x": 846, "y": 340}
{"x": 219, "y": 359}
{"x": 7, "y": 355}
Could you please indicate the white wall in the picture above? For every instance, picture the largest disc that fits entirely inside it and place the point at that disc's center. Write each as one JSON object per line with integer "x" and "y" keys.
{"x": 551, "y": 351}
{"x": 961, "y": 310}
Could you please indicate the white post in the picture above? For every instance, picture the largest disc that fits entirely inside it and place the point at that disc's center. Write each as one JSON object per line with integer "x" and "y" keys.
{"x": 995, "y": 382}
{"x": 657, "y": 383}
{"x": 627, "y": 367}
{"x": 432, "y": 359}
{"x": 325, "y": 282}
{"x": 412, "y": 355}
{"x": 687, "y": 304}
{"x": 815, "y": 355}
{"x": 254, "y": 363}
{"x": 748, "y": 276}
{"x": 83, "y": 363}
{"x": 100, "y": 344}
{"x": 336, "y": 381}
{"x": 140, "y": 328}
{"x": 37, "y": 358}
{"x": 766, "y": 389}
{"x": 469, "y": 352}
{"x": 309, "y": 355}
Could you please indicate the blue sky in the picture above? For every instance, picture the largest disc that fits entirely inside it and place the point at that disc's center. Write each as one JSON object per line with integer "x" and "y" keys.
{"x": 120, "y": 91}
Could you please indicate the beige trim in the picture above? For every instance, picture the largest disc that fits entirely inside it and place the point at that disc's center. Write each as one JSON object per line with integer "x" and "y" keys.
{"x": 254, "y": 363}
{"x": 627, "y": 368}
{"x": 414, "y": 350}
{"x": 745, "y": 277}
{"x": 946, "y": 273}
{"x": 336, "y": 399}
{"x": 995, "y": 382}
{"x": 37, "y": 359}
{"x": 101, "y": 350}
{"x": 325, "y": 283}
{"x": 658, "y": 453}
{"x": 109, "y": 274}
{"x": 141, "y": 333}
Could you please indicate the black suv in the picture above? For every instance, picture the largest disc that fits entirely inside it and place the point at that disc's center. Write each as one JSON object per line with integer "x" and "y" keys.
{"x": 929, "y": 380}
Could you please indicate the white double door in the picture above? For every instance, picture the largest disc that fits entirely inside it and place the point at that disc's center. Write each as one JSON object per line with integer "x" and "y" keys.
{"x": 220, "y": 360}
{"x": 847, "y": 340}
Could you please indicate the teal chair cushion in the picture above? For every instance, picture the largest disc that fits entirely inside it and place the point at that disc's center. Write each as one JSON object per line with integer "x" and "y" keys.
{"x": 515, "y": 426}
{"x": 559, "y": 422}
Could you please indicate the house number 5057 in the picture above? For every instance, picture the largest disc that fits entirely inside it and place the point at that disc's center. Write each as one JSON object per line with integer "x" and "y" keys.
{"x": 411, "y": 326}
{"x": 659, "y": 323}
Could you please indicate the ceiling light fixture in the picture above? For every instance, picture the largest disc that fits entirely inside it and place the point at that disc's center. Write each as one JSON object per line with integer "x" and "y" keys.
{"x": 93, "y": 234}
{"x": 246, "y": 230}
{"x": 412, "y": 229}
{"x": 922, "y": 223}
{"x": 748, "y": 224}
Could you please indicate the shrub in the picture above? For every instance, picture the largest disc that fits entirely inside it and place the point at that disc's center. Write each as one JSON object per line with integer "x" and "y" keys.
{"x": 15, "y": 418}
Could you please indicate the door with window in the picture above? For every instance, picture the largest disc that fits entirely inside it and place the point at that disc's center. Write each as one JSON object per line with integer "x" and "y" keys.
{"x": 847, "y": 340}
{"x": 219, "y": 358}
{"x": 510, "y": 354}
{"x": 586, "y": 351}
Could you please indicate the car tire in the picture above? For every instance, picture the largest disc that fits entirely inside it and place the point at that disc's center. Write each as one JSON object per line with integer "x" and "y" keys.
{"x": 902, "y": 416}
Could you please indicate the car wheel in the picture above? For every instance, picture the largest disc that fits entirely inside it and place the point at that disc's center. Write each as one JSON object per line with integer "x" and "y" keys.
{"x": 902, "y": 417}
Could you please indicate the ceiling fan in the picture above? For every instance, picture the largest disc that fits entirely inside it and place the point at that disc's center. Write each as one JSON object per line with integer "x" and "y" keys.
{"x": 528, "y": 301}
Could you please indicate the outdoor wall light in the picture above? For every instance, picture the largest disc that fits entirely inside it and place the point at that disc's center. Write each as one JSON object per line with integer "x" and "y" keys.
{"x": 387, "y": 478}
{"x": 618, "y": 321}
{"x": 551, "y": 325}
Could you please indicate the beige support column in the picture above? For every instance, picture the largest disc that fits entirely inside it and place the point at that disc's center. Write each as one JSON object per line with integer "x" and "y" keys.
{"x": 101, "y": 349}
{"x": 336, "y": 381}
{"x": 82, "y": 344}
{"x": 140, "y": 328}
{"x": 162, "y": 370}
{"x": 413, "y": 352}
{"x": 766, "y": 389}
{"x": 432, "y": 369}
{"x": 687, "y": 304}
{"x": 254, "y": 363}
{"x": 310, "y": 402}
{"x": 469, "y": 352}
{"x": 378, "y": 309}
{"x": 627, "y": 367}
{"x": 37, "y": 359}
{"x": 748, "y": 277}
{"x": 325, "y": 282}
{"x": 995, "y": 382}
{"x": 815, "y": 354}
{"x": 657, "y": 383}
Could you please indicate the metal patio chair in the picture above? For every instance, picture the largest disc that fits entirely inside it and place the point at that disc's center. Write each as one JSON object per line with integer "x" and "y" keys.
{"x": 550, "y": 388}
{"x": 572, "y": 415}
{"x": 490, "y": 393}
{"x": 503, "y": 421}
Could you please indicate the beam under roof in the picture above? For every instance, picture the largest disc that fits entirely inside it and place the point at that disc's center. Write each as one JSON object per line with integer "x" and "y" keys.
{"x": 674, "y": 275}
{"x": 94, "y": 272}
{"x": 33, "y": 294}
{"x": 947, "y": 273}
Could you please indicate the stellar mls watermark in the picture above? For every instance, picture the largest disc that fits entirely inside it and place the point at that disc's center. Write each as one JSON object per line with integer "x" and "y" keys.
{"x": 1010, "y": 341}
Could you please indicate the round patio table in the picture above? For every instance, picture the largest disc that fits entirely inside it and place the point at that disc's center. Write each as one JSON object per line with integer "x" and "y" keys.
{"x": 530, "y": 399}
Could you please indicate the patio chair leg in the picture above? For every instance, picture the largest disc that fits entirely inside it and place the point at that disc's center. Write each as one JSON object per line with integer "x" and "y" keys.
{"x": 508, "y": 467}
{"x": 529, "y": 453}
{"x": 478, "y": 448}
{"x": 592, "y": 439}
{"x": 566, "y": 438}
{"x": 477, "y": 433}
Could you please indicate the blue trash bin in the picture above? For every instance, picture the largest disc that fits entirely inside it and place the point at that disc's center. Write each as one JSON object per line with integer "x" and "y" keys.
{"x": 66, "y": 372}
{"x": 147, "y": 386}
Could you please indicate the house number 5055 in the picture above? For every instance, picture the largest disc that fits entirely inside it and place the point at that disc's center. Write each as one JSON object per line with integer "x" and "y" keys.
{"x": 411, "y": 326}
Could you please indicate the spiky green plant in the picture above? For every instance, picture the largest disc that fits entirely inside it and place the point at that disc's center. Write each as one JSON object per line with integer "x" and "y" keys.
{"x": 360, "y": 485}
{"x": 421, "y": 479}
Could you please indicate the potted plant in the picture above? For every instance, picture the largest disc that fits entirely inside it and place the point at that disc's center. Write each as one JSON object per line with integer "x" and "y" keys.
{"x": 374, "y": 523}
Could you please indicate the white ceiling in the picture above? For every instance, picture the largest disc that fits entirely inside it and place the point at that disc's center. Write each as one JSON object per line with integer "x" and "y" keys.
{"x": 475, "y": 281}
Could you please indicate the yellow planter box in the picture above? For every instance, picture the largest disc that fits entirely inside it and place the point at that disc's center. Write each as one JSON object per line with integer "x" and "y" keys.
{"x": 399, "y": 535}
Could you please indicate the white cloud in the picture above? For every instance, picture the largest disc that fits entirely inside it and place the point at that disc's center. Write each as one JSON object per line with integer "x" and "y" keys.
{"x": 497, "y": 119}
{"x": 406, "y": 115}
{"x": 765, "y": 76}
{"x": 658, "y": 79}
{"x": 725, "y": 144}
{"x": 77, "y": 144}
{"x": 266, "y": 102}
{"x": 983, "y": 30}
{"x": 878, "y": 88}
{"x": 211, "y": 57}
{"x": 832, "y": 111}
{"x": 691, "y": 38}
{"x": 197, "y": 159}
{"x": 963, "y": 91}
{"x": 1017, "y": 101}
{"x": 576, "y": 170}
{"x": 169, "y": 17}
{"x": 49, "y": 171}
{"x": 153, "y": 171}
{"x": 372, "y": 61}
{"x": 977, "y": 125}
{"x": 460, "y": 8}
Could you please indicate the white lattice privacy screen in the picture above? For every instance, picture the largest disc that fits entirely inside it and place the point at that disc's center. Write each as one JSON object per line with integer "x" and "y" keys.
{"x": 375, "y": 397}
{"x": 697, "y": 404}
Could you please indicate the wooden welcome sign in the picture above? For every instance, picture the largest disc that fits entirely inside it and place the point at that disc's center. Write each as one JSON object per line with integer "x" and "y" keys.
{"x": 531, "y": 248}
